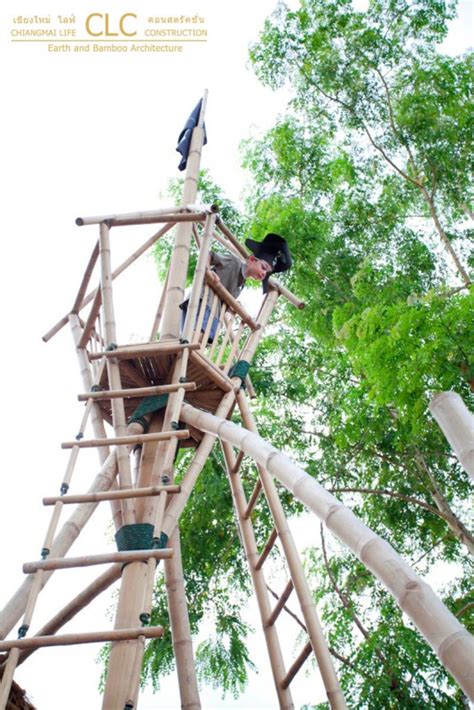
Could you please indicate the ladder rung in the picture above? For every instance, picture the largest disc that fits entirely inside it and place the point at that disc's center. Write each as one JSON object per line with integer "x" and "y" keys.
{"x": 127, "y": 440}
{"x": 87, "y": 560}
{"x": 280, "y": 604}
{"x": 91, "y": 637}
{"x": 253, "y": 499}
{"x": 136, "y": 392}
{"x": 296, "y": 665}
{"x": 125, "y": 352}
{"x": 266, "y": 549}
{"x": 238, "y": 463}
{"x": 112, "y": 495}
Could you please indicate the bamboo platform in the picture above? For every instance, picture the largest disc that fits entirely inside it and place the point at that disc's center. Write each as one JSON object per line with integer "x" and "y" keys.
{"x": 155, "y": 369}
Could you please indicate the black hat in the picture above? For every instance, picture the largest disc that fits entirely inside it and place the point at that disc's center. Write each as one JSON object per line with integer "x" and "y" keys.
{"x": 274, "y": 250}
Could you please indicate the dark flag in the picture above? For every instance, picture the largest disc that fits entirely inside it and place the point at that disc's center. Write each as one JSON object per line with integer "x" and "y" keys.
{"x": 184, "y": 140}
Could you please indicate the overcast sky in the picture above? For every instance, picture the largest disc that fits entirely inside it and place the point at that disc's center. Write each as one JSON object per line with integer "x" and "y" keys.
{"x": 90, "y": 134}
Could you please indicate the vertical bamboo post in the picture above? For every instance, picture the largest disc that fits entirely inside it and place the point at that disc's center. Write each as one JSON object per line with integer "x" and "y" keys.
{"x": 198, "y": 279}
{"x": 118, "y": 411}
{"x": 308, "y": 609}
{"x": 180, "y": 258}
{"x": 180, "y": 628}
{"x": 159, "y": 312}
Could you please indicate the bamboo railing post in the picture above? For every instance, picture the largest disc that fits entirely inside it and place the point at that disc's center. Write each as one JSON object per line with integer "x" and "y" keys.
{"x": 198, "y": 279}
{"x": 308, "y": 608}
{"x": 250, "y": 546}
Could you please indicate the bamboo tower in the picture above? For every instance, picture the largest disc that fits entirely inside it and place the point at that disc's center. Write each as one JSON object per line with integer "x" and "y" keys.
{"x": 199, "y": 383}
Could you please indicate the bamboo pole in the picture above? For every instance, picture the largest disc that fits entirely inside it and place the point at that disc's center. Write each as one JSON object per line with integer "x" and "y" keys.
{"x": 267, "y": 549}
{"x": 225, "y": 339}
{"x": 80, "y": 601}
{"x": 180, "y": 257}
{"x": 53, "y": 563}
{"x": 113, "y": 372}
{"x": 135, "y": 218}
{"x": 200, "y": 319}
{"x": 90, "y": 323}
{"x": 297, "y": 665}
{"x": 128, "y": 440}
{"x": 159, "y": 311}
{"x": 135, "y": 392}
{"x": 445, "y": 634}
{"x": 120, "y": 269}
{"x": 198, "y": 278}
{"x": 85, "y": 279}
{"x": 210, "y": 320}
{"x": 87, "y": 221}
{"x": 212, "y": 372}
{"x": 220, "y": 322}
{"x": 280, "y": 603}
{"x": 231, "y": 302}
{"x": 258, "y": 579}
{"x": 112, "y": 495}
{"x": 90, "y": 637}
{"x": 180, "y": 628}
{"x": 235, "y": 338}
{"x": 457, "y": 424}
{"x": 125, "y": 352}
{"x": 308, "y": 608}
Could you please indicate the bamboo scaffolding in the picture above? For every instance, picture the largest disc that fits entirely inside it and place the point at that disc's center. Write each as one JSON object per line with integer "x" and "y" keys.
{"x": 89, "y": 560}
{"x": 74, "y": 639}
{"x": 124, "y": 656}
{"x": 445, "y": 634}
{"x": 135, "y": 392}
{"x": 119, "y": 270}
{"x": 128, "y": 440}
{"x": 258, "y": 579}
{"x": 112, "y": 495}
{"x": 235, "y": 338}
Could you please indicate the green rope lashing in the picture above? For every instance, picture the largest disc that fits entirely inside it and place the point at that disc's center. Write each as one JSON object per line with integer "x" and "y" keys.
{"x": 159, "y": 543}
{"x": 147, "y": 406}
{"x": 138, "y": 536}
{"x": 240, "y": 369}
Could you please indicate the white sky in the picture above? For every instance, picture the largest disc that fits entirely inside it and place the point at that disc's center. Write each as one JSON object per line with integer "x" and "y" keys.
{"x": 93, "y": 134}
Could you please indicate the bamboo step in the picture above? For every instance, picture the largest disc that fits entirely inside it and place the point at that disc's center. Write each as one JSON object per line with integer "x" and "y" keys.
{"x": 266, "y": 550}
{"x": 295, "y": 667}
{"x": 253, "y": 499}
{"x": 112, "y": 495}
{"x": 137, "y": 392}
{"x": 54, "y": 563}
{"x": 127, "y": 440}
{"x": 149, "y": 632}
{"x": 280, "y": 604}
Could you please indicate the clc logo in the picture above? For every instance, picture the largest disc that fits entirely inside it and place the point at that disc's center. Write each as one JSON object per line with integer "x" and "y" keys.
{"x": 98, "y": 25}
